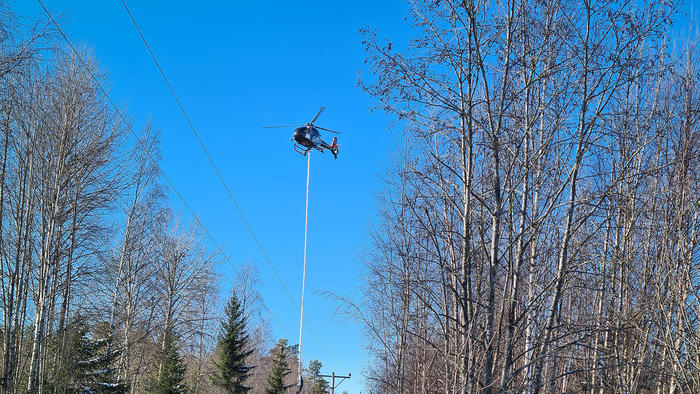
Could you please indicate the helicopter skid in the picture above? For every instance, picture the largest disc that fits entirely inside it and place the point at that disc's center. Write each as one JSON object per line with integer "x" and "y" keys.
{"x": 301, "y": 149}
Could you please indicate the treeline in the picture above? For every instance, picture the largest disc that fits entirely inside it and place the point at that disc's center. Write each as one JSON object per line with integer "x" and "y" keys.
{"x": 103, "y": 288}
{"x": 538, "y": 231}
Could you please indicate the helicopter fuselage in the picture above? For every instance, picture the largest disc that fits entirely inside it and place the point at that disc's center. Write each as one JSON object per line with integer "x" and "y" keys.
{"x": 308, "y": 136}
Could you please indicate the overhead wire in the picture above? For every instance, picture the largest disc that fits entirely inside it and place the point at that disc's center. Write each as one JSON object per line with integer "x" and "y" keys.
{"x": 160, "y": 169}
{"x": 206, "y": 152}
{"x": 218, "y": 173}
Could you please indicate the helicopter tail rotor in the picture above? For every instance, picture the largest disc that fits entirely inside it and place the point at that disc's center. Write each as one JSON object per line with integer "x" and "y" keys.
{"x": 334, "y": 147}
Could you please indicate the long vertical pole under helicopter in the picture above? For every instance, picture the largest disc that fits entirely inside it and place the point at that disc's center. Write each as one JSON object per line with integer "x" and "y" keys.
{"x": 303, "y": 278}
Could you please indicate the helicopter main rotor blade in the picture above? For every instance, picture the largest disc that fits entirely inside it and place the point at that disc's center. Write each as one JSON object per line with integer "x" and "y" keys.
{"x": 275, "y": 127}
{"x": 332, "y": 131}
{"x": 318, "y": 114}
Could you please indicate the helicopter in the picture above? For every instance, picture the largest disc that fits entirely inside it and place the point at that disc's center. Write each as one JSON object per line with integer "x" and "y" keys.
{"x": 308, "y": 137}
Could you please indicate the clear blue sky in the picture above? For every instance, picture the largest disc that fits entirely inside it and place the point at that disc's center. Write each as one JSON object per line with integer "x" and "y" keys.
{"x": 237, "y": 66}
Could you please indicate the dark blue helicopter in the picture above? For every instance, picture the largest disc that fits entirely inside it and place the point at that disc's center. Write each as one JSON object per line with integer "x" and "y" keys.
{"x": 308, "y": 137}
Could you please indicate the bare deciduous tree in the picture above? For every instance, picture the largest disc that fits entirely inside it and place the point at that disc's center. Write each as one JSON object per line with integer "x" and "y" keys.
{"x": 536, "y": 226}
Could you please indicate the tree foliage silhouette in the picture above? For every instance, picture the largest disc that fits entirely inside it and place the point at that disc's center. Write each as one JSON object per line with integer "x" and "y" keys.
{"x": 232, "y": 350}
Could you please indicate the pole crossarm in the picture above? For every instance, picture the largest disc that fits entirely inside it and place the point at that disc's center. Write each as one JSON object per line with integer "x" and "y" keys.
{"x": 333, "y": 376}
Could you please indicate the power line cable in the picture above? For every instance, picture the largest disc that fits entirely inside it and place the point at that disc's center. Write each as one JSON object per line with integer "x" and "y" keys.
{"x": 218, "y": 173}
{"x": 206, "y": 152}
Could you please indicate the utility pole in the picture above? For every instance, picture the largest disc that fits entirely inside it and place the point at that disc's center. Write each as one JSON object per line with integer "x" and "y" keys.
{"x": 333, "y": 376}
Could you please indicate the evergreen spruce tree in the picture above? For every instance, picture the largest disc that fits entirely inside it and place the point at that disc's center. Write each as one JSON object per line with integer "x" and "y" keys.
{"x": 171, "y": 377}
{"x": 280, "y": 369}
{"x": 89, "y": 363}
{"x": 319, "y": 384}
{"x": 232, "y": 350}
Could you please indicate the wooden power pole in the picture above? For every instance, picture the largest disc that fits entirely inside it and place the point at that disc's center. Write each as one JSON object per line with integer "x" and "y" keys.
{"x": 333, "y": 376}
